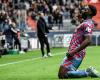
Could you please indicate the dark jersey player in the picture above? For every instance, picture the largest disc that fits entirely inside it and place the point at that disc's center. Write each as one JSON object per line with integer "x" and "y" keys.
{"x": 76, "y": 52}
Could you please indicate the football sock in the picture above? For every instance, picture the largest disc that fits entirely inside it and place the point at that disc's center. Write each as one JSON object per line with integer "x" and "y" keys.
{"x": 76, "y": 74}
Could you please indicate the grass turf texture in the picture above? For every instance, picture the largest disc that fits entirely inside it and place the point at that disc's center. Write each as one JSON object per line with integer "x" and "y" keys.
{"x": 32, "y": 67}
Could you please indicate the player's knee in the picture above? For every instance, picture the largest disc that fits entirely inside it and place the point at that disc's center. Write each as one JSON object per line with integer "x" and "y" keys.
{"x": 62, "y": 74}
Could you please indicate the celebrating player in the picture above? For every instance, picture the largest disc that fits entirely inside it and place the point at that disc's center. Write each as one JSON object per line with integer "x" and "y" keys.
{"x": 76, "y": 52}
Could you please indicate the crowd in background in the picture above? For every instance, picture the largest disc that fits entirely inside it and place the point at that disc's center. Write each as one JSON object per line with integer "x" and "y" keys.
{"x": 19, "y": 11}
{"x": 55, "y": 11}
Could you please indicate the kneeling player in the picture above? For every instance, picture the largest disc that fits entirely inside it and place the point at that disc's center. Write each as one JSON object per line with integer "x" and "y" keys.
{"x": 76, "y": 52}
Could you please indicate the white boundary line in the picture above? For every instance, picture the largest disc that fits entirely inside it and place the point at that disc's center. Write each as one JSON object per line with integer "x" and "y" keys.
{"x": 10, "y": 63}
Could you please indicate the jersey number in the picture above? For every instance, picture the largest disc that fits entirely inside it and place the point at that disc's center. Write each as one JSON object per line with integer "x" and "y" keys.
{"x": 88, "y": 29}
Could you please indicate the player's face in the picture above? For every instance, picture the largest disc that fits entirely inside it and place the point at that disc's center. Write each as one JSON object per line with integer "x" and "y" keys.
{"x": 85, "y": 9}
{"x": 85, "y": 12}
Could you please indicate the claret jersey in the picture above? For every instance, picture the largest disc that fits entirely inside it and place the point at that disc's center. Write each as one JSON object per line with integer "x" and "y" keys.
{"x": 85, "y": 28}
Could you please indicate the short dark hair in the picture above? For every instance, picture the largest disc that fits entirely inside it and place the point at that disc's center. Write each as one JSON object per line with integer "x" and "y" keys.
{"x": 93, "y": 10}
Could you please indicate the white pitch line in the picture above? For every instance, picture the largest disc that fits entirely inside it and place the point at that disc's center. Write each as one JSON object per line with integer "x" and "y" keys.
{"x": 6, "y": 64}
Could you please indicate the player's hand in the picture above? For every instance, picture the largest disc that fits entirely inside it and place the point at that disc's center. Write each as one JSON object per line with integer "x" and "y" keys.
{"x": 69, "y": 54}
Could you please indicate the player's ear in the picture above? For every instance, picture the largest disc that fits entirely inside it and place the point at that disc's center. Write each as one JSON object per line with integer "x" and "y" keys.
{"x": 90, "y": 12}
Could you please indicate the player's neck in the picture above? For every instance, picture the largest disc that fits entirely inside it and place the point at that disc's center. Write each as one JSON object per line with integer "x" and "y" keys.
{"x": 89, "y": 17}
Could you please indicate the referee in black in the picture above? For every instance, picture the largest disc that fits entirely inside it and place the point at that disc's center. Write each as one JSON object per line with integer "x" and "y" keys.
{"x": 42, "y": 31}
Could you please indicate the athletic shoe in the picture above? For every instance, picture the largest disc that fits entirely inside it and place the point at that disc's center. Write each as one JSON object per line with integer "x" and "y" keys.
{"x": 45, "y": 56}
{"x": 49, "y": 54}
{"x": 22, "y": 52}
{"x": 93, "y": 72}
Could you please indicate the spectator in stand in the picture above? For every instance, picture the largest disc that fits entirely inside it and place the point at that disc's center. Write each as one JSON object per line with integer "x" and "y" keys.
{"x": 50, "y": 21}
{"x": 58, "y": 18}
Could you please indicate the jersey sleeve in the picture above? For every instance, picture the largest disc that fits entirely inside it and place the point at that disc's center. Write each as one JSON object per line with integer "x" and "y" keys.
{"x": 88, "y": 29}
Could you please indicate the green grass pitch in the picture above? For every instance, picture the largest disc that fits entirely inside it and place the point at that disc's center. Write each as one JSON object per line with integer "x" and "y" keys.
{"x": 31, "y": 66}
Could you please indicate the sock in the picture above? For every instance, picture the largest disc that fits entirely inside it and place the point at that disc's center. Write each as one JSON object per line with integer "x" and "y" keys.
{"x": 77, "y": 74}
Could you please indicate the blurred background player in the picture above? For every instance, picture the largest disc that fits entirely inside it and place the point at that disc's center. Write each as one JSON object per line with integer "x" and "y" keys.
{"x": 42, "y": 31}
{"x": 14, "y": 32}
{"x": 0, "y": 44}
{"x": 76, "y": 52}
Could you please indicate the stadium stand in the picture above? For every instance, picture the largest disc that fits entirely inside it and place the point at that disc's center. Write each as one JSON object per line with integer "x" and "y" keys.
{"x": 60, "y": 15}
{"x": 55, "y": 11}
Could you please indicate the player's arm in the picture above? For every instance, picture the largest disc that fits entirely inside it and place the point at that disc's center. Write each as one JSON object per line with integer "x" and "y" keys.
{"x": 84, "y": 44}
